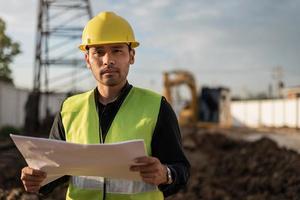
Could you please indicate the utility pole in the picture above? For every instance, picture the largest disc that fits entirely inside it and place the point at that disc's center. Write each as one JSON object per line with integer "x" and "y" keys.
{"x": 277, "y": 75}
{"x": 59, "y": 27}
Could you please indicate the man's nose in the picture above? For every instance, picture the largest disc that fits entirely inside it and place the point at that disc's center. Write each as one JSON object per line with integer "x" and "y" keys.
{"x": 108, "y": 59}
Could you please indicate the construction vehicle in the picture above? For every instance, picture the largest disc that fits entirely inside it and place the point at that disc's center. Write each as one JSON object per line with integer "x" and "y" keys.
{"x": 210, "y": 108}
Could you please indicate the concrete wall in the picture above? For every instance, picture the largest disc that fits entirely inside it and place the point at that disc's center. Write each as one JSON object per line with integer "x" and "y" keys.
{"x": 12, "y": 104}
{"x": 270, "y": 113}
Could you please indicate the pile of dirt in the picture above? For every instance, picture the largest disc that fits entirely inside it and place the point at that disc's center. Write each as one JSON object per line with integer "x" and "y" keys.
{"x": 229, "y": 169}
{"x": 222, "y": 169}
{"x": 11, "y": 162}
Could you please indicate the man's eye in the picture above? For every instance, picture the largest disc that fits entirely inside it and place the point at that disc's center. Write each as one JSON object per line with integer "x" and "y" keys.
{"x": 118, "y": 51}
{"x": 99, "y": 52}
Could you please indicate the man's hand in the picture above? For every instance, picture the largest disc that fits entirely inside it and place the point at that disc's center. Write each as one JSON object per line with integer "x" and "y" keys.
{"x": 32, "y": 179}
{"x": 151, "y": 170}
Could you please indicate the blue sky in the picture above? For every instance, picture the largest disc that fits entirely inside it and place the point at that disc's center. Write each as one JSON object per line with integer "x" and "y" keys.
{"x": 233, "y": 43}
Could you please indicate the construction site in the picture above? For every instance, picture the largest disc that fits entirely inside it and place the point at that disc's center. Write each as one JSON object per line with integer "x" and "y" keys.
{"x": 239, "y": 149}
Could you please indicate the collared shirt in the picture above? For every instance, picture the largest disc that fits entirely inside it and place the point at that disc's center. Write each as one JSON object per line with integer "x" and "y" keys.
{"x": 166, "y": 140}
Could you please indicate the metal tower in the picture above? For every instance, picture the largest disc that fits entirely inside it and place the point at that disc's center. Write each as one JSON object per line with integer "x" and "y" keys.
{"x": 59, "y": 28}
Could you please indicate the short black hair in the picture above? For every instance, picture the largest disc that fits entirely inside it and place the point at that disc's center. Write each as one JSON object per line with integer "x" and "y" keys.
{"x": 128, "y": 44}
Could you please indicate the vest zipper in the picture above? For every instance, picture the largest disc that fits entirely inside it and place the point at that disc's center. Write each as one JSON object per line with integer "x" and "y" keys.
{"x": 102, "y": 142}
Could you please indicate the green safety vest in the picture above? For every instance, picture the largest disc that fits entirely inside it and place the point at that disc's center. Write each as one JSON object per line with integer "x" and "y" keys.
{"x": 136, "y": 119}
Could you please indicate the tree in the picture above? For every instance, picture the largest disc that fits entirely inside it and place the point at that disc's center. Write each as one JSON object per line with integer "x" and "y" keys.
{"x": 8, "y": 50}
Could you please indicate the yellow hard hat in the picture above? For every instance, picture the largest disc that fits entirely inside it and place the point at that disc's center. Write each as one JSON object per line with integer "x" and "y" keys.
{"x": 107, "y": 28}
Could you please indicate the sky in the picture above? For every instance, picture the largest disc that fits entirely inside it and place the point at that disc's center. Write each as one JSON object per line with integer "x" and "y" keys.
{"x": 232, "y": 43}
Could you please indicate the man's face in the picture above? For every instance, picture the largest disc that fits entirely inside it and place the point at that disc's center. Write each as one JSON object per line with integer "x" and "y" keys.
{"x": 110, "y": 63}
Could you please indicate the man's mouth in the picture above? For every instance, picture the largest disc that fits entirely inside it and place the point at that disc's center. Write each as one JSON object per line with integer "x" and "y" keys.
{"x": 109, "y": 71}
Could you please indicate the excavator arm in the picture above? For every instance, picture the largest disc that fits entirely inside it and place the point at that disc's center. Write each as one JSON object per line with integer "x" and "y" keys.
{"x": 189, "y": 114}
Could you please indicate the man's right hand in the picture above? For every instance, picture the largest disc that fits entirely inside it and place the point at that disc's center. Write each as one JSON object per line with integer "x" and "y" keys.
{"x": 32, "y": 179}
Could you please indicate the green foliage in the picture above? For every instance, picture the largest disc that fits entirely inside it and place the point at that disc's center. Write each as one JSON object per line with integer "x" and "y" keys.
{"x": 6, "y": 130}
{"x": 8, "y": 50}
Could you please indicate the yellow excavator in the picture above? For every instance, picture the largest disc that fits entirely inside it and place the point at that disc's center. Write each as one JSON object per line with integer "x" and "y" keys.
{"x": 189, "y": 115}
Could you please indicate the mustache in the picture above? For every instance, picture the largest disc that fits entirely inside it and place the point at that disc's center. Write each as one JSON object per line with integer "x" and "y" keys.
{"x": 108, "y": 69}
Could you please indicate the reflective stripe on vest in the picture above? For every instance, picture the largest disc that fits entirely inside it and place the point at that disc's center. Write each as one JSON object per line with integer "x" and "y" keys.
{"x": 136, "y": 119}
{"x": 118, "y": 186}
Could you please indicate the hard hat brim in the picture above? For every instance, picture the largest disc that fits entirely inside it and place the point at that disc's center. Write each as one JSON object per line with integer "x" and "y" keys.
{"x": 133, "y": 44}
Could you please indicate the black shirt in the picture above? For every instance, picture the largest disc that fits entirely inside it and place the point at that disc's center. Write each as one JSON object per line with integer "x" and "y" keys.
{"x": 166, "y": 140}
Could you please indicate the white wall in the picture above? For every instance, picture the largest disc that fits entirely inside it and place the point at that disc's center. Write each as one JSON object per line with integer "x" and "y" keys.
{"x": 12, "y": 104}
{"x": 270, "y": 113}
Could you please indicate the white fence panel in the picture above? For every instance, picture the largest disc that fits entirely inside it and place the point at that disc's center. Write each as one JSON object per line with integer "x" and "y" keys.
{"x": 290, "y": 112}
{"x": 267, "y": 113}
{"x": 238, "y": 114}
{"x": 298, "y": 113}
{"x": 13, "y": 101}
{"x": 8, "y": 105}
{"x": 278, "y": 116}
{"x": 252, "y": 113}
{"x": 270, "y": 113}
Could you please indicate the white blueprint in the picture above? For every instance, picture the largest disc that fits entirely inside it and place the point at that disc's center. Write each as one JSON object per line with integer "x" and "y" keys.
{"x": 58, "y": 158}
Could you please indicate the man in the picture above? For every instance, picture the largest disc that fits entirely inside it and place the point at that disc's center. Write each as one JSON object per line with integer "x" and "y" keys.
{"x": 116, "y": 111}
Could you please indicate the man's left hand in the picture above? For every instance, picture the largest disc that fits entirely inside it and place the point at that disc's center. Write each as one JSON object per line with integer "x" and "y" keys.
{"x": 151, "y": 170}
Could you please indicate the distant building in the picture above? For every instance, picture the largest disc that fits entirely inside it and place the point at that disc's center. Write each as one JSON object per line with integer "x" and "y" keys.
{"x": 291, "y": 92}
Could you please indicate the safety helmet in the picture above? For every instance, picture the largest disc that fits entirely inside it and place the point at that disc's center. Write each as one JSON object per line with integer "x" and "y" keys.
{"x": 107, "y": 28}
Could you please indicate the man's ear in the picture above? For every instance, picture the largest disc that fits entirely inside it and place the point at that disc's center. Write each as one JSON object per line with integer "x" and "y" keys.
{"x": 131, "y": 56}
{"x": 87, "y": 60}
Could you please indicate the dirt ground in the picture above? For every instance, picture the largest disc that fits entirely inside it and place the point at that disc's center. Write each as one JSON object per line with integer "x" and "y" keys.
{"x": 227, "y": 168}
{"x": 224, "y": 167}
